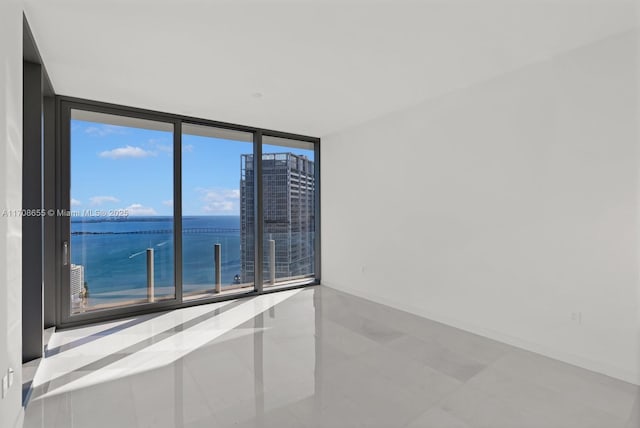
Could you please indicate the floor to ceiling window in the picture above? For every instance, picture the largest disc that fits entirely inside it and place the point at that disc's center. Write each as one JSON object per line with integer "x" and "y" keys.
{"x": 213, "y": 254}
{"x": 157, "y": 211}
{"x": 121, "y": 247}
{"x": 289, "y": 200}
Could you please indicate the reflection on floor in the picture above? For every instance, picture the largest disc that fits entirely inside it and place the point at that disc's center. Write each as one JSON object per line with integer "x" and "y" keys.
{"x": 310, "y": 358}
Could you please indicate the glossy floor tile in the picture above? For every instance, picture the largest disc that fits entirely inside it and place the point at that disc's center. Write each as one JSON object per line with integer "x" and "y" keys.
{"x": 314, "y": 357}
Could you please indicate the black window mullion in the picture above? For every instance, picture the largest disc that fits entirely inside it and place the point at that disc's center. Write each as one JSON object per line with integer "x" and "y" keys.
{"x": 317, "y": 235}
{"x": 63, "y": 160}
{"x": 177, "y": 209}
{"x": 258, "y": 227}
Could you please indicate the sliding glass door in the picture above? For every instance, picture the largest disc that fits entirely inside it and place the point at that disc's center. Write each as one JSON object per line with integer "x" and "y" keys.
{"x": 217, "y": 212}
{"x": 156, "y": 211}
{"x": 121, "y": 246}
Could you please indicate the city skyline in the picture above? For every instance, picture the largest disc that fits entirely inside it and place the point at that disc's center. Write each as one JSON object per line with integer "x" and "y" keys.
{"x": 289, "y": 215}
{"x": 101, "y": 153}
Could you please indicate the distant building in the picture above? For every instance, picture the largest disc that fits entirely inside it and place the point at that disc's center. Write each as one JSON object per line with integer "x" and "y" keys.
{"x": 289, "y": 215}
{"x": 77, "y": 281}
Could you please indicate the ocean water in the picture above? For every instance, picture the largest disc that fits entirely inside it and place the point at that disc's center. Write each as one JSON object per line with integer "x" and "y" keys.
{"x": 113, "y": 253}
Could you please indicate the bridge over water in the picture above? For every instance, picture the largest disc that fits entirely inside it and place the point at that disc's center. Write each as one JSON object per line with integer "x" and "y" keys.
{"x": 193, "y": 230}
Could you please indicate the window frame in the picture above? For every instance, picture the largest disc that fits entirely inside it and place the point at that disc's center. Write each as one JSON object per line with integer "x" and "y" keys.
{"x": 64, "y": 106}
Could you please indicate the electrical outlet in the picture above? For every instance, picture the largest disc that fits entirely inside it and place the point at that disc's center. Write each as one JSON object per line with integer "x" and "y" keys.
{"x": 576, "y": 317}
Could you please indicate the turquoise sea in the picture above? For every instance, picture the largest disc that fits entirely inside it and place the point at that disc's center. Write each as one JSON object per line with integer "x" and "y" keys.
{"x": 113, "y": 253}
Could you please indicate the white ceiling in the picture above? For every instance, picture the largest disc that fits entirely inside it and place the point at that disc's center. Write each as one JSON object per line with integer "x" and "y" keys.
{"x": 320, "y": 65}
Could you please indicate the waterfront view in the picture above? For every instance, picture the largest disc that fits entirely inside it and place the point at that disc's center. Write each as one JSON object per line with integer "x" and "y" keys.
{"x": 122, "y": 248}
{"x": 113, "y": 253}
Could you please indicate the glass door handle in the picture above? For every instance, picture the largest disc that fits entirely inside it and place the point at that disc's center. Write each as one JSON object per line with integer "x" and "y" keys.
{"x": 65, "y": 253}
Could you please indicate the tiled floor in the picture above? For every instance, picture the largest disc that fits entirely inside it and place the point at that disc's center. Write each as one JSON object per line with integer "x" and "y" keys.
{"x": 310, "y": 358}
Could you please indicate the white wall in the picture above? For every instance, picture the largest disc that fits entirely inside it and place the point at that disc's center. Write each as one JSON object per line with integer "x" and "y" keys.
{"x": 502, "y": 208}
{"x": 11, "y": 198}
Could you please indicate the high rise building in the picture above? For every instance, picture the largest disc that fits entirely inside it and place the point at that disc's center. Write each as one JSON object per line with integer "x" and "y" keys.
{"x": 77, "y": 281}
{"x": 289, "y": 215}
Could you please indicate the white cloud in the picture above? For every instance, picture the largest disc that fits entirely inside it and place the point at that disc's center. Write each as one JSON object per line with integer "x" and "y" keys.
{"x": 139, "y": 209}
{"x": 104, "y": 130}
{"x": 127, "y": 152}
{"x": 187, "y": 148}
{"x": 159, "y": 145}
{"x": 219, "y": 201}
{"x": 168, "y": 203}
{"x": 99, "y": 200}
{"x": 75, "y": 202}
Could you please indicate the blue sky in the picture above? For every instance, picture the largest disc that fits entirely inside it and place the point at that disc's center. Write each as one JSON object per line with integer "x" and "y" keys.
{"x": 115, "y": 167}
